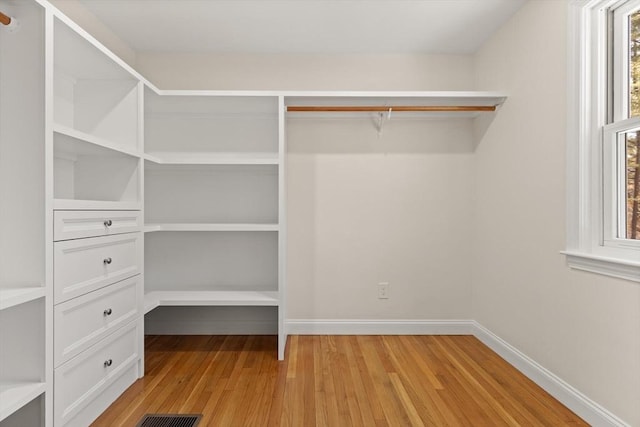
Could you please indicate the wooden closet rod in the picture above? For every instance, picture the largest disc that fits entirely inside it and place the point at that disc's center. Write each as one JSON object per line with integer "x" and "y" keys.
{"x": 393, "y": 108}
{"x": 4, "y": 19}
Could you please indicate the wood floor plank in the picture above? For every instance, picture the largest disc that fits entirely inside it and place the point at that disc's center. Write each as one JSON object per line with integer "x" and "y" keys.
{"x": 335, "y": 381}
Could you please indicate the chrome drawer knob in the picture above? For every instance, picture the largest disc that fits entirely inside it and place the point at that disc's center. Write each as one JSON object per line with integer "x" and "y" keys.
{"x": 108, "y": 363}
{"x": 107, "y": 260}
{"x": 108, "y": 223}
{"x": 108, "y": 312}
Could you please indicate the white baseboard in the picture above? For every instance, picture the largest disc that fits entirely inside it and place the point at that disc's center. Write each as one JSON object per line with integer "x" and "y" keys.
{"x": 584, "y": 407}
{"x": 573, "y": 399}
{"x": 379, "y": 327}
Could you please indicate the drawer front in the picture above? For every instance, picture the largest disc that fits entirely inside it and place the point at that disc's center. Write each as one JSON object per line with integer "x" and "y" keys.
{"x": 79, "y": 224}
{"x": 83, "y": 321}
{"x": 84, "y": 265}
{"x": 83, "y": 378}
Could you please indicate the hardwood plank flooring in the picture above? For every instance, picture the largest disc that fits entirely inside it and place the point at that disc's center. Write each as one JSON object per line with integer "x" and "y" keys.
{"x": 335, "y": 381}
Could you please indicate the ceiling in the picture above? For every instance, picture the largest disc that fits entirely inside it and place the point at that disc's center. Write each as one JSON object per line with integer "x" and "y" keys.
{"x": 304, "y": 26}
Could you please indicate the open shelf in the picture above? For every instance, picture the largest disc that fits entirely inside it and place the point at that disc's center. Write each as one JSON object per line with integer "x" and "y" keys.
{"x": 73, "y": 134}
{"x": 209, "y": 298}
{"x": 92, "y": 93}
{"x": 242, "y": 261}
{"x": 87, "y": 168}
{"x": 10, "y": 297}
{"x": 211, "y": 194}
{"x": 149, "y": 228}
{"x": 200, "y": 123}
{"x": 14, "y": 396}
{"x": 211, "y": 158}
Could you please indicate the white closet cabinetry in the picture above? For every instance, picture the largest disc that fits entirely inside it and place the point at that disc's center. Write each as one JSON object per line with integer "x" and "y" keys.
{"x": 96, "y": 242}
{"x": 213, "y": 192}
{"x": 25, "y": 395}
{"x": 96, "y": 134}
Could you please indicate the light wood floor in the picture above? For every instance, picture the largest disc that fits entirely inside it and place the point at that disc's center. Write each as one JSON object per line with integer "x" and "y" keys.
{"x": 335, "y": 381}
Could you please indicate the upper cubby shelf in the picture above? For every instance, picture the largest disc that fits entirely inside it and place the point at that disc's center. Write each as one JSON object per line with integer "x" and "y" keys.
{"x": 92, "y": 93}
{"x": 87, "y": 169}
{"x": 200, "y": 128}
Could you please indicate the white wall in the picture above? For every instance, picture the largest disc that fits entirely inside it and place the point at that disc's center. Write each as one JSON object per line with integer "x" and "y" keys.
{"x": 88, "y": 21}
{"x": 364, "y": 210}
{"x": 307, "y": 72}
{"x": 583, "y": 327}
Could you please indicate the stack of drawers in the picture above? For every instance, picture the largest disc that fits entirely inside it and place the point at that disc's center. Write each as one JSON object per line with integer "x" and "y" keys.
{"x": 98, "y": 310}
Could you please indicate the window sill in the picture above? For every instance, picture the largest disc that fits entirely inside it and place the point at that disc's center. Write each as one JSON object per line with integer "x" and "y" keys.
{"x": 613, "y": 267}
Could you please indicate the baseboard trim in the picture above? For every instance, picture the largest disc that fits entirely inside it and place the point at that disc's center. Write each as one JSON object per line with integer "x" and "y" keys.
{"x": 584, "y": 407}
{"x": 378, "y": 327}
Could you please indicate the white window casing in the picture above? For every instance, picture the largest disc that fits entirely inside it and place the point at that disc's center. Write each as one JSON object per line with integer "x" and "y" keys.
{"x": 593, "y": 160}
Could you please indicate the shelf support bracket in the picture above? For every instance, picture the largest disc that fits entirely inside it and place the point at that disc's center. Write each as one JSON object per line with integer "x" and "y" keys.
{"x": 380, "y": 121}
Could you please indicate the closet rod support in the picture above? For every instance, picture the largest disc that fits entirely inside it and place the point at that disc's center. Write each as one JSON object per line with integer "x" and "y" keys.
{"x": 386, "y": 108}
{"x": 11, "y": 24}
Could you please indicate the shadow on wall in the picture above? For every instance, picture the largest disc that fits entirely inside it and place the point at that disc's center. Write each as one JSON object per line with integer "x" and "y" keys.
{"x": 398, "y": 135}
{"x": 481, "y": 125}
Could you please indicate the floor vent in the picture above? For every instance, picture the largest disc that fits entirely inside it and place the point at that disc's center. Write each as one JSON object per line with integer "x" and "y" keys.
{"x": 169, "y": 420}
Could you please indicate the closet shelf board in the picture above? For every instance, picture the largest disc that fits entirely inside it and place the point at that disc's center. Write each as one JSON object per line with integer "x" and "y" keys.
{"x": 73, "y": 204}
{"x": 209, "y": 298}
{"x": 90, "y": 139}
{"x": 10, "y": 297}
{"x": 14, "y": 396}
{"x": 149, "y": 228}
{"x": 210, "y": 158}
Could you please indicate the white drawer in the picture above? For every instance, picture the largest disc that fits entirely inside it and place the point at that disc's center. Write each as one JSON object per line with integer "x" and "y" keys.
{"x": 83, "y": 379}
{"x": 83, "y": 321}
{"x": 78, "y": 224}
{"x": 84, "y": 265}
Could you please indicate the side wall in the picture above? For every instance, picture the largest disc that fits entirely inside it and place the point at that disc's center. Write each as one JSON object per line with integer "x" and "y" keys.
{"x": 582, "y": 327}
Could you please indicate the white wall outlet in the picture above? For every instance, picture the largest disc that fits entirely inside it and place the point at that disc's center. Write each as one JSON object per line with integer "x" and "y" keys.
{"x": 383, "y": 290}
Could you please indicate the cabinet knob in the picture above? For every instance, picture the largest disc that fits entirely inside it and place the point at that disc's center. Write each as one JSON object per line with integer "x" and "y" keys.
{"x": 107, "y": 260}
{"x": 108, "y": 312}
{"x": 108, "y": 223}
{"x": 108, "y": 363}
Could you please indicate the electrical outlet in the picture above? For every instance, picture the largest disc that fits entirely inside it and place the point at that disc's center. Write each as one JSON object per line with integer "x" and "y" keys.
{"x": 383, "y": 290}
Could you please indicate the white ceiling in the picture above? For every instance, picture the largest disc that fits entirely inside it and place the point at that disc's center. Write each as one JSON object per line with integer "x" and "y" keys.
{"x": 304, "y": 26}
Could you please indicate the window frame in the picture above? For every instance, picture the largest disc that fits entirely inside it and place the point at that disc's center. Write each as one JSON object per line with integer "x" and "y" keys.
{"x": 592, "y": 161}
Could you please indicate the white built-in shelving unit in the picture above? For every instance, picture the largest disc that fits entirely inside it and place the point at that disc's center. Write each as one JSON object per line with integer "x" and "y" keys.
{"x": 213, "y": 197}
{"x": 118, "y": 198}
{"x": 96, "y": 132}
{"x": 24, "y": 354}
{"x": 95, "y": 140}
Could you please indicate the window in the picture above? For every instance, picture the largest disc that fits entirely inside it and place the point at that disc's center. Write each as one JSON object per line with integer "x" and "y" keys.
{"x": 604, "y": 138}
{"x": 625, "y": 88}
